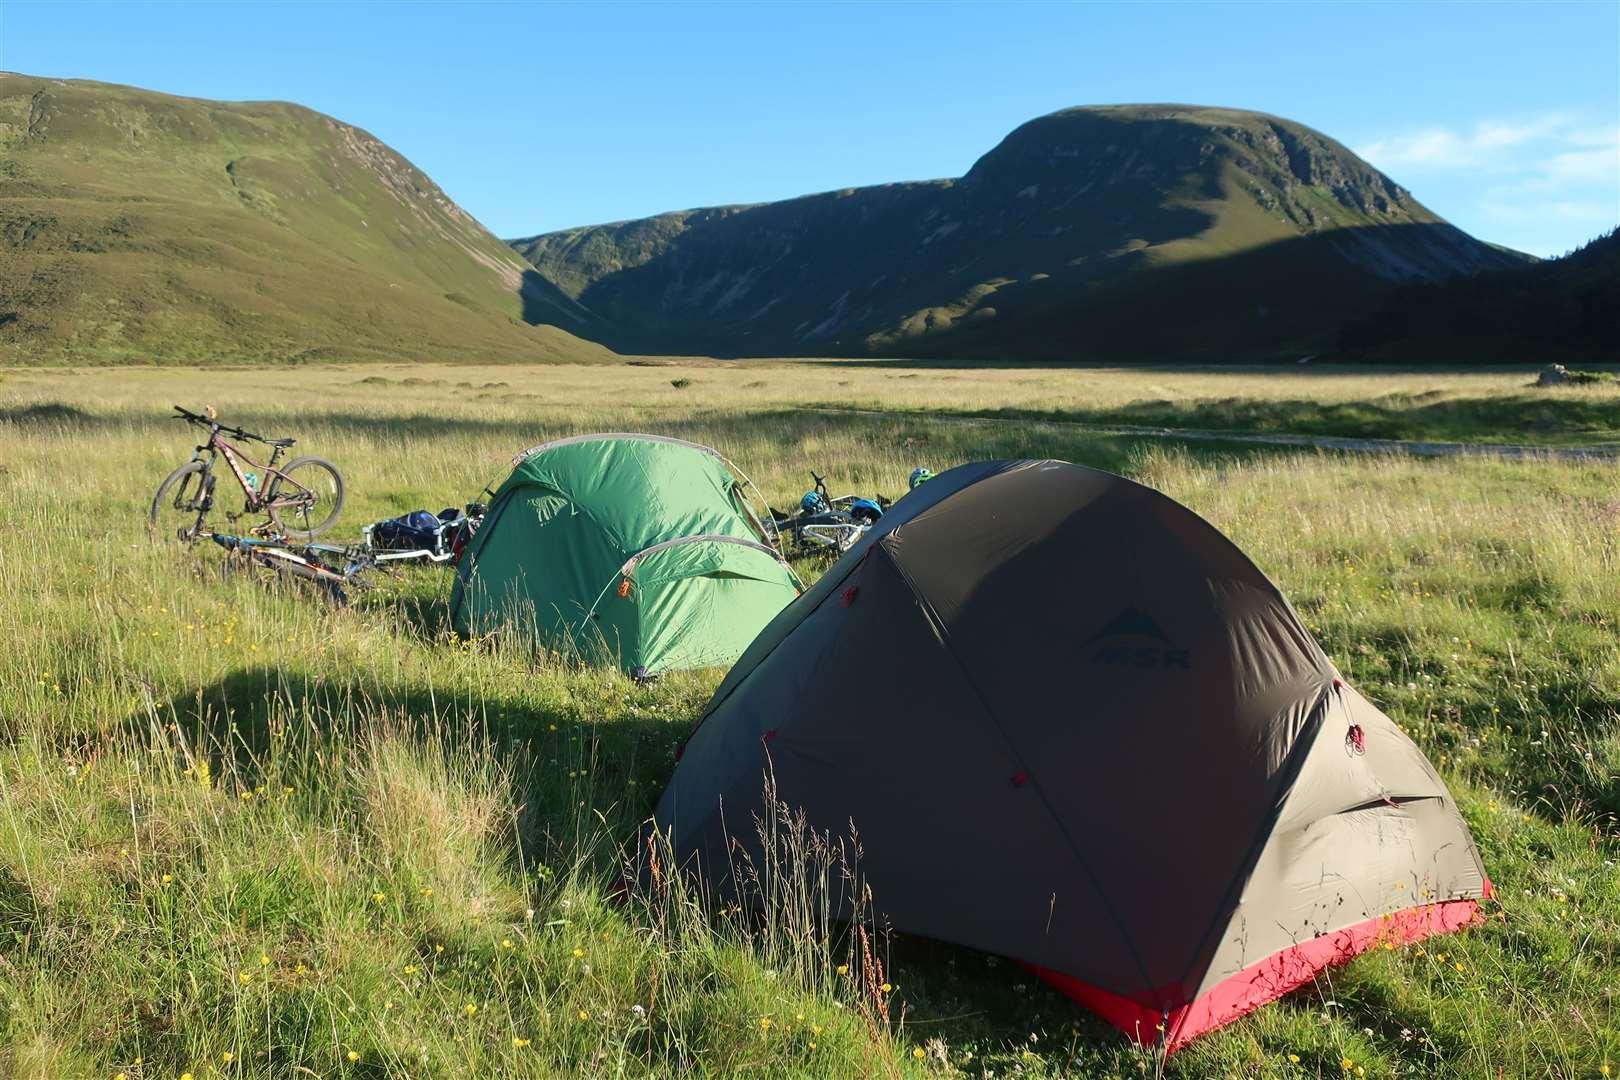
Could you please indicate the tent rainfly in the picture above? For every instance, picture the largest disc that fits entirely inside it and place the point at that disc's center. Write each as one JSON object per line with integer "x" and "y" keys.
{"x": 1094, "y": 737}
{"x": 638, "y": 550}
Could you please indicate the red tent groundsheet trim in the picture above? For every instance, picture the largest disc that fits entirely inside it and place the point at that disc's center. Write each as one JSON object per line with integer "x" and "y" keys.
{"x": 1267, "y": 980}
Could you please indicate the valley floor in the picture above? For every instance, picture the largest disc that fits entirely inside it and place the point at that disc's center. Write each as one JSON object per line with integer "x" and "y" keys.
{"x": 245, "y": 834}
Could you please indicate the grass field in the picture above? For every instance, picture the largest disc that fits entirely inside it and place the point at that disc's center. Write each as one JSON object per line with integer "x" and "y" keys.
{"x": 245, "y": 834}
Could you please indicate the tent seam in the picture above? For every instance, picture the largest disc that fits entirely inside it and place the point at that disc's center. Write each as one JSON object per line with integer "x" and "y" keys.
{"x": 1293, "y": 765}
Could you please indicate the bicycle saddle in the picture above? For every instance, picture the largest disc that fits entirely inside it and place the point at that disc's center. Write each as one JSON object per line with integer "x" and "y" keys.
{"x": 283, "y": 443}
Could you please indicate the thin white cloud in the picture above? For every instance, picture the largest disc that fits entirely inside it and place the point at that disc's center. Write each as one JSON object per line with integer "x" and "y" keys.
{"x": 1488, "y": 144}
{"x": 1548, "y": 180}
{"x": 1600, "y": 163}
{"x": 1564, "y": 210}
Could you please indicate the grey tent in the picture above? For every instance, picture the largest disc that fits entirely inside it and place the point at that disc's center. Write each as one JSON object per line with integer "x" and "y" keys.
{"x": 1092, "y": 736}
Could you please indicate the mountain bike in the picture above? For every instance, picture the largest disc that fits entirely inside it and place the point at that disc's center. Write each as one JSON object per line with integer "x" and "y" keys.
{"x": 300, "y": 499}
{"x": 333, "y": 569}
{"x": 825, "y": 523}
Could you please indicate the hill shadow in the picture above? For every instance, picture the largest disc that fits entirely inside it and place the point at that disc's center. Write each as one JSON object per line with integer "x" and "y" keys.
{"x": 1274, "y": 301}
{"x": 1564, "y": 308}
{"x": 544, "y": 304}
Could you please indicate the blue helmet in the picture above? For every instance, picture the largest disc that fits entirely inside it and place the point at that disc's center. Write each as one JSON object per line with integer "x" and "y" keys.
{"x": 865, "y": 511}
{"x": 813, "y": 503}
{"x": 920, "y": 475}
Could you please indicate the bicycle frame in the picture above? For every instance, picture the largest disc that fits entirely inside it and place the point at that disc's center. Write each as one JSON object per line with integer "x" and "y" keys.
{"x": 217, "y": 446}
{"x": 302, "y": 559}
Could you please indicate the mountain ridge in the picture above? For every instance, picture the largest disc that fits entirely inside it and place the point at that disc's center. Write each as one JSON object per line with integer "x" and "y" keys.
{"x": 1076, "y": 205}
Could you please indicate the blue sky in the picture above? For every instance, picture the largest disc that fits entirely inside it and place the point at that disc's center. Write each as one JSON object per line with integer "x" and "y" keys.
{"x": 1505, "y": 118}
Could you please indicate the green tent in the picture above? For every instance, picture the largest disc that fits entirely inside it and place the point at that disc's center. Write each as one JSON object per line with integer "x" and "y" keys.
{"x": 638, "y": 550}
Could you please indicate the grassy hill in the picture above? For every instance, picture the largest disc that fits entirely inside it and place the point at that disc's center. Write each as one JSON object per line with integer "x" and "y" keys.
{"x": 1073, "y": 238}
{"x": 136, "y": 226}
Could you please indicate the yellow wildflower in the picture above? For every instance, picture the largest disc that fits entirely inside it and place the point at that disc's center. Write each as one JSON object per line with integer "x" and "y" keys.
{"x": 506, "y": 943}
{"x": 764, "y": 1023}
{"x": 519, "y": 1043}
{"x": 246, "y": 977}
{"x": 843, "y": 969}
{"x": 410, "y": 969}
{"x": 264, "y": 961}
{"x": 227, "y": 1057}
{"x": 1346, "y": 1064}
{"x": 583, "y": 1015}
{"x": 353, "y": 1055}
{"x": 579, "y": 953}
{"x": 1293, "y": 1059}
{"x": 377, "y": 897}
{"x": 917, "y": 1052}
{"x": 887, "y": 988}
{"x": 470, "y": 1008}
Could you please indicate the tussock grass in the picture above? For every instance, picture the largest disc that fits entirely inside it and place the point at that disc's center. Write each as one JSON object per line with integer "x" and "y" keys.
{"x": 245, "y": 834}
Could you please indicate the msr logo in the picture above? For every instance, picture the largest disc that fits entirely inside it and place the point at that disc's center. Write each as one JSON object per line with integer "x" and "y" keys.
{"x": 1133, "y": 640}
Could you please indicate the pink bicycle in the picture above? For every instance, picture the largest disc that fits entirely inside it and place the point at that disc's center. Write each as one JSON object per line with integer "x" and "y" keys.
{"x": 299, "y": 500}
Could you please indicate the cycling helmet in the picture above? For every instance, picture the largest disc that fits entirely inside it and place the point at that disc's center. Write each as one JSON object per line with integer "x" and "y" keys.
{"x": 813, "y": 503}
{"x": 865, "y": 511}
{"x": 920, "y": 475}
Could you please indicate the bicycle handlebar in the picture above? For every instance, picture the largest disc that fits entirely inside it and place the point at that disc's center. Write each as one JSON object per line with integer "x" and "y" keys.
{"x": 182, "y": 413}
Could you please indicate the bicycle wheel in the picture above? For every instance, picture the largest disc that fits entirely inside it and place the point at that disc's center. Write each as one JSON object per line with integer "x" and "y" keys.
{"x": 180, "y": 507}
{"x": 318, "y": 487}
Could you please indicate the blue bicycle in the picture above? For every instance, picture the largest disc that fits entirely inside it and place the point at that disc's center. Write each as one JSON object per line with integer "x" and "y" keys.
{"x": 332, "y": 569}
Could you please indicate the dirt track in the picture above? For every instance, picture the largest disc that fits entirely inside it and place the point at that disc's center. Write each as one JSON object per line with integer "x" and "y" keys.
{"x": 1415, "y": 448}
